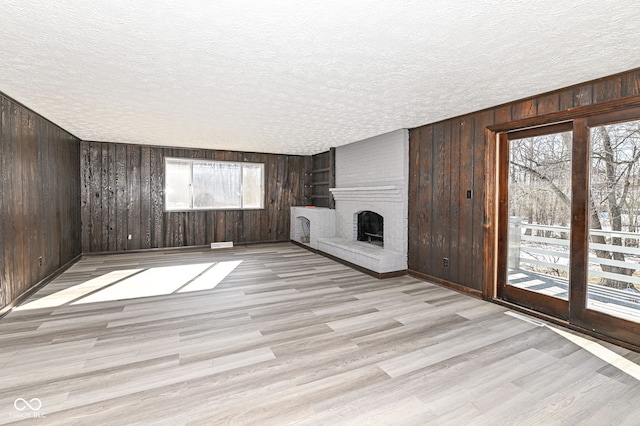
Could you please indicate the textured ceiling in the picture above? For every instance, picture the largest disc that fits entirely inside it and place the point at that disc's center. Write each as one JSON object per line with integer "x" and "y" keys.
{"x": 296, "y": 76}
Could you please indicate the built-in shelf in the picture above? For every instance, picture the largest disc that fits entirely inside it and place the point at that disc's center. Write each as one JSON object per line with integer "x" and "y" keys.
{"x": 322, "y": 178}
{"x": 322, "y": 170}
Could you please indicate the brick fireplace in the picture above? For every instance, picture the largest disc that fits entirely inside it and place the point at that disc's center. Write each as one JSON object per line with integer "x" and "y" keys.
{"x": 388, "y": 202}
{"x": 371, "y": 176}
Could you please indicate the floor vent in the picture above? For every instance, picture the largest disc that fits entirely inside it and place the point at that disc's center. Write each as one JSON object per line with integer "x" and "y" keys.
{"x": 223, "y": 244}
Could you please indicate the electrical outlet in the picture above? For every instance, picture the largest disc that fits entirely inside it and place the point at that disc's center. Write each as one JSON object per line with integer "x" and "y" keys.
{"x": 129, "y": 237}
{"x": 445, "y": 262}
{"x": 469, "y": 193}
{"x": 40, "y": 261}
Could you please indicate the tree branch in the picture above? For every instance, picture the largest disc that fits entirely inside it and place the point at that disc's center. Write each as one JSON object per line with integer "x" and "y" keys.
{"x": 563, "y": 197}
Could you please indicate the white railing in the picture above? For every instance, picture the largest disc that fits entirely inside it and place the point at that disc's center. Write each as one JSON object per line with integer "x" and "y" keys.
{"x": 553, "y": 251}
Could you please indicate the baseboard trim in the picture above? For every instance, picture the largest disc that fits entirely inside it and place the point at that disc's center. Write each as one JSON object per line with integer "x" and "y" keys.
{"x": 448, "y": 284}
{"x": 37, "y": 286}
{"x": 378, "y": 275}
{"x": 149, "y": 250}
{"x": 181, "y": 248}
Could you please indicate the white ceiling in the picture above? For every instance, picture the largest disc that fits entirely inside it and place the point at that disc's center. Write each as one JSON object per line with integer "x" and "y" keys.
{"x": 292, "y": 76}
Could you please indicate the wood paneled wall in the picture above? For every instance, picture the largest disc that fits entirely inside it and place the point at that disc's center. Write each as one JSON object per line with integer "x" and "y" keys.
{"x": 123, "y": 194}
{"x": 447, "y": 160}
{"x": 39, "y": 199}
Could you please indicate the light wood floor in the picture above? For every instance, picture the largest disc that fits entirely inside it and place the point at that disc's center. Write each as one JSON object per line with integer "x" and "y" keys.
{"x": 290, "y": 337}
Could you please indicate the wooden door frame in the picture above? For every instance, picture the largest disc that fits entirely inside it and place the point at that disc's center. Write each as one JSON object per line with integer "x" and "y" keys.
{"x": 546, "y": 304}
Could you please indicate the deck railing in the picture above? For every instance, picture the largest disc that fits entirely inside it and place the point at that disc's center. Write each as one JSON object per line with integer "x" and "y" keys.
{"x": 548, "y": 247}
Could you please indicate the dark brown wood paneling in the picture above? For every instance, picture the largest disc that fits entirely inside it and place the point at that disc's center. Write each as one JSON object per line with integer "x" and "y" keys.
{"x": 156, "y": 195}
{"x": 440, "y": 196}
{"x": 145, "y": 198}
{"x": 425, "y": 260}
{"x": 126, "y": 191}
{"x": 502, "y": 114}
{"x": 455, "y": 202}
{"x": 583, "y": 95}
{"x": 29, "y": 210}
{"x": 6, "y": 254}
{"x": 134, "y": 201}
{"x": 95, "y": 191}
{"x": 423, "y": 216}
{"x": 524, "y": 109}
{"x": 565, "y": 100}
{"x": 607, "y": 89}
{"x": 414, "y": 184}
{"x": 549, "y": 103}
{"x": 426, "y": 195}
{"x": 86, "y": 197}
{"x": 465, "y": 199}
{"x": 40, "y": 199}
{"x": 444, "y": 172}
{"x": 18, "y": 221}
{"x": 109, "y": 206}
{"x": 119, "y": 216}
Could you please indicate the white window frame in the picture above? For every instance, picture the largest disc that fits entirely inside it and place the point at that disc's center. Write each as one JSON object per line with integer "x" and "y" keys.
{"x": 190, "y": 188}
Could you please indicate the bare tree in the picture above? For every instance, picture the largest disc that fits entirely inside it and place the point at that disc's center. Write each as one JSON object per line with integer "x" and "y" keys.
{"x": 541, "y": 186}
{"x": 614, "y": 165}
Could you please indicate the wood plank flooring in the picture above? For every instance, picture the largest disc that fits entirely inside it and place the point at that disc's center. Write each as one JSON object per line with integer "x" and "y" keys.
{"x": 289, "y": 337}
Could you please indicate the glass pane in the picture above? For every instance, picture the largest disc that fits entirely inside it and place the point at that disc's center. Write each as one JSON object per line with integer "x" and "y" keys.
{"x": 203, "y": 184}
{"x": 177, "y": 184}
{"x": 217, "y": 185}
{"x": 252, "y": 186}
{"x": 540, "y": 214}
{"x": 614, "y": 276}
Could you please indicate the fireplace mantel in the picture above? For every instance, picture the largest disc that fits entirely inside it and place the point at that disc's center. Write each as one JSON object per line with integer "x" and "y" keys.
{"x": 389, "y": 193}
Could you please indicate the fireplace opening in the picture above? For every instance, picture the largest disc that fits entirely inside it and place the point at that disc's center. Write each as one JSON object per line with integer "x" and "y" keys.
{"x": 304, "y": 229}
{"x": 370, "y": 228}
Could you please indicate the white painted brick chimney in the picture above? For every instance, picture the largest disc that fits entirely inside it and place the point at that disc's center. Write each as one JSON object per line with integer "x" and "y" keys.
{"x": 373, "y": 174}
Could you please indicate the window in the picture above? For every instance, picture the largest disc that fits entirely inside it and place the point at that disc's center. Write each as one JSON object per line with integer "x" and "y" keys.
{"x": 209, "y": 185}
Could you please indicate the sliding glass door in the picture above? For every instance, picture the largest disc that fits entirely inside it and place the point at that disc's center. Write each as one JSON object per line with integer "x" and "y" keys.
{"x": 569, "y": 221}
{"x": 614, "y": 220}
{"x": 537, "y": 212}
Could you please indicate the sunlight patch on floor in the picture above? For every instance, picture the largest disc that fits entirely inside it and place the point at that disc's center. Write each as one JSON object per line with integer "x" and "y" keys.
{"x": 603, "y": 353}
{"x": 595, "y": 348}
{"x": 152, "y": 282}
{"x": 211, "y": 277}
{"x": 61, "y": 297}
{"x": 136, "y": 283}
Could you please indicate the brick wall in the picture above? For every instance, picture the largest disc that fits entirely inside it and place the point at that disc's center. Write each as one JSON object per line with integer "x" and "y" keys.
{"x": 379, "y": 162}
